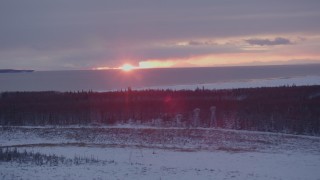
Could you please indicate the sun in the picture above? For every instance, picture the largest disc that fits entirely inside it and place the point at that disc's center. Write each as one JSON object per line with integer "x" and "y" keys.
{"x": 127, "y": 67}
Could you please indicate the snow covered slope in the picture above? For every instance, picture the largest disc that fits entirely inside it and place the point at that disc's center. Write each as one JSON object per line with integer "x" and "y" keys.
{"x": 163, "y": 153}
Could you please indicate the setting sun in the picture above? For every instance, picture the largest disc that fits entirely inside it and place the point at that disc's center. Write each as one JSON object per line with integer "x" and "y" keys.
{"x": 127, "y": 67}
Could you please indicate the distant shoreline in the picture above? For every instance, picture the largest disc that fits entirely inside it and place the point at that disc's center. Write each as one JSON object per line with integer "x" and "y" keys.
{"x": 15, "y": 71}
{"x": 213, "y": 77}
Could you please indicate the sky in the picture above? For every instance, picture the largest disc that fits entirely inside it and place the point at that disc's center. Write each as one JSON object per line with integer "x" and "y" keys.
{"x": 102, "y": 34}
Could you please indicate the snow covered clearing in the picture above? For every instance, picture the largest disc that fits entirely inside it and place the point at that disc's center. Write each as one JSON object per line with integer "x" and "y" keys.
{"x": 162, "y": 153}
{"x": 145, "y": 163}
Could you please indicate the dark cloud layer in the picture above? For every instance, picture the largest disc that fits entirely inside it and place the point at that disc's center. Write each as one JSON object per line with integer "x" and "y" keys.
{"x": 106, "y": 31}
{"x": 268, "y": 42}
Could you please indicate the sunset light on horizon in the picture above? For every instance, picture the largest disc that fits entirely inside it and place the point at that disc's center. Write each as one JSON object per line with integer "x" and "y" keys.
{"x": 256, "y": 50}
{"x": 109, "y": 34}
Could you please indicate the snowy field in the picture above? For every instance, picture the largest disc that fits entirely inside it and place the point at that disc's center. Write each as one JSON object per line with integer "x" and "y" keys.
{"x": 162, "y": 153}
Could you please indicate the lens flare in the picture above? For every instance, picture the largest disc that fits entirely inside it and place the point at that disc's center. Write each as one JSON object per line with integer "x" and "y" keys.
{"x": 127, "y": 67}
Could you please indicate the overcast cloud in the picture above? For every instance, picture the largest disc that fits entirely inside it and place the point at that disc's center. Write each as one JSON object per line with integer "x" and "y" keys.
{"x": 81, "y": 34}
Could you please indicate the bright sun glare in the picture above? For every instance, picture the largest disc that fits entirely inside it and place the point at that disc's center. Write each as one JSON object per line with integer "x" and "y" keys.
{"x": 127, "y": 67}
{"x": 142, "y": 65}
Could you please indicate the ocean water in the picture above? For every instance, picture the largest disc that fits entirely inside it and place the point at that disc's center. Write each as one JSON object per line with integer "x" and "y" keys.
{"x": 107, "y": 80}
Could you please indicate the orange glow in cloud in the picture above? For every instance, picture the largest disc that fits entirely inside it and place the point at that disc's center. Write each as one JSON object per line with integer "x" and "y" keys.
{"x": 218, "y": 60}
{"x": 146, "y": 65}
{"x": 155, "y": 64}
{"x": 102, "y": 68}
{"x": 297, "y": 51}
{"x": 225, "y": 60}
{"x": 249, "y": 56}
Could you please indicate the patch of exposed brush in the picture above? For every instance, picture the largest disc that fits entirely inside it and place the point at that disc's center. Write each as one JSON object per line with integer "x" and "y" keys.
{"x": 24, "y": 157}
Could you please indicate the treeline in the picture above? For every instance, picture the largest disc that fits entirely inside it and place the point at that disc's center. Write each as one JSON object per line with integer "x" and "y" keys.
{"x": 294, "y": 109}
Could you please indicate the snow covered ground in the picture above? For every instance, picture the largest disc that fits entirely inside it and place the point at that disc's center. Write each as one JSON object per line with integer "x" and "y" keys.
{"x": 163, "y": 153}
{"x": 144, "y": 163}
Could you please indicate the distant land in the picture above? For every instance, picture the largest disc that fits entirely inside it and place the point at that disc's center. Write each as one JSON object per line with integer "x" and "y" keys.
{"x": 14, "y": 71}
